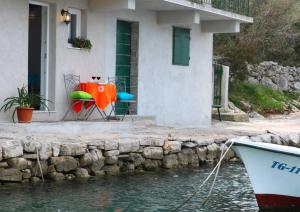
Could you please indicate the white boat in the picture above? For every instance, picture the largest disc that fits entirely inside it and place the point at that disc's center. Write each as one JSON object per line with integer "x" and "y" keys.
{"x": 274, "y": 172}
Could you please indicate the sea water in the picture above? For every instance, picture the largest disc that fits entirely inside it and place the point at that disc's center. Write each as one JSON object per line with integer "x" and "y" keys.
{"x": 149, "y": 191}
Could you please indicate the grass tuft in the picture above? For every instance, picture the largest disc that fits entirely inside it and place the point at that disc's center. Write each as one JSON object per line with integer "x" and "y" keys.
{"x": 264, "y": 100}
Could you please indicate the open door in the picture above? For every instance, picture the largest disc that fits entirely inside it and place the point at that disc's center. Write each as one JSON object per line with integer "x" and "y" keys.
{"x": 38, "y": 50}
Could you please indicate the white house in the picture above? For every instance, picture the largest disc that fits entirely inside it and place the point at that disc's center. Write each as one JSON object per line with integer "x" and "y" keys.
{"x": 174, "y": 75}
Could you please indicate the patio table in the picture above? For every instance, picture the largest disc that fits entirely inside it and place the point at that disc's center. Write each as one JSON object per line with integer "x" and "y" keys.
{"x": 103, "y": 94}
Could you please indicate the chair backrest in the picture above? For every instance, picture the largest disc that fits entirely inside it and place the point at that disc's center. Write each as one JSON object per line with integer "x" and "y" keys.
{"x": 71, "y": 83}
{"x": 122, "y": 83}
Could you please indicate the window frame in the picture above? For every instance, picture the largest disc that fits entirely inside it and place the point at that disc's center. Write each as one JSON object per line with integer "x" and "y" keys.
{"x": 78, "y": 14}
{"x": 181, "y": 62}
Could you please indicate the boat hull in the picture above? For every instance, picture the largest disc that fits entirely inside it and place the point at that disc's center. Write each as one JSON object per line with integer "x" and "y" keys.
{"x": 274, "y": 174}
{"x": 269, "y": 201}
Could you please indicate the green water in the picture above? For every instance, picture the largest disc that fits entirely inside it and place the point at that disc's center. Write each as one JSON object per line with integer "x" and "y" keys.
{"x": 151, "y": 191}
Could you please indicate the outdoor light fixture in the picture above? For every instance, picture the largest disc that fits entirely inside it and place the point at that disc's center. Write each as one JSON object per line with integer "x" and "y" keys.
{"x": 66, "y": 16}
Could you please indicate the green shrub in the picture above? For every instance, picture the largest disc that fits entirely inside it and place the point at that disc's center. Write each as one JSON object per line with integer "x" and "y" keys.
{"x": 263, "y": 99}
{"x": 274, "y": 36}
{"x": 81, "y": 43}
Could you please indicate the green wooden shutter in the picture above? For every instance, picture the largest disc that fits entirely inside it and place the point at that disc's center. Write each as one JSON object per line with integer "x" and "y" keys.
{"x": 181, "y": 46}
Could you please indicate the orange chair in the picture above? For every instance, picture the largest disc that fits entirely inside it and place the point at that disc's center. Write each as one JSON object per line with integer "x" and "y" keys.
{"x": 72, "y": 83}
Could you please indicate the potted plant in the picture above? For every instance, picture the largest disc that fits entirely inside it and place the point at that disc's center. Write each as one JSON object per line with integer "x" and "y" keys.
{"x": 81, "y": 43}
{"x": 24, "y": 104}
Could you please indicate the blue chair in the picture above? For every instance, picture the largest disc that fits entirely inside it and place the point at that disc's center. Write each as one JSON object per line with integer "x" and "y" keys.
{"x": 125, "y": 98}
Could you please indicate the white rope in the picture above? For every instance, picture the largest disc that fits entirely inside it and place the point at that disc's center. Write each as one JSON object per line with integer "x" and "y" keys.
{"x": 217, "y": 173}
{"x": 217, "y": 168}
{"x": 39, "y": 164}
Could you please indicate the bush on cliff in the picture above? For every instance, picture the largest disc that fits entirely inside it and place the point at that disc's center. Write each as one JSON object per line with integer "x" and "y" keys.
{"x": 263, "y": 100}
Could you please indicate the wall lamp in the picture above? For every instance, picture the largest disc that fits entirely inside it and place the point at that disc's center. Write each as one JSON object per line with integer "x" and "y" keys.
{"x": 66, "y": 16}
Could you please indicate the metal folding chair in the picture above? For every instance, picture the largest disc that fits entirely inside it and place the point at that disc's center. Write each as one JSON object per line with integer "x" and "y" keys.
{"x": 123, "y": 85}
{"x": 72, "y": 84}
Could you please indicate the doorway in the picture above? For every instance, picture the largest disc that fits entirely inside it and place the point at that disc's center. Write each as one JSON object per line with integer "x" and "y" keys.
{"x": 38, "y": 37}
{"x": 127, "y": 62}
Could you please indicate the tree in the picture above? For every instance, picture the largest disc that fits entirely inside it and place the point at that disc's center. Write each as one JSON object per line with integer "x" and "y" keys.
{"x": 274, "y": 35}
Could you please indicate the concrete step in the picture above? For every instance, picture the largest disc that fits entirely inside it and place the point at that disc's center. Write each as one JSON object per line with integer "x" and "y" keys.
{"x": 236, "y": 117}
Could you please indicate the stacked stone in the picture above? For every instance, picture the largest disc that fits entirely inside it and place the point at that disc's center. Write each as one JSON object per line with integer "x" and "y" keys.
{"x": 275, "y": 76}
{"x": 286, "y": 139}
{"x": 30, "y": 159}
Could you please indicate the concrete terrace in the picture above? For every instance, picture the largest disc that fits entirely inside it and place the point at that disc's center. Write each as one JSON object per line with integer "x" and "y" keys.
{"x": 87, "y": 131}
{"x": 68, "y": 150}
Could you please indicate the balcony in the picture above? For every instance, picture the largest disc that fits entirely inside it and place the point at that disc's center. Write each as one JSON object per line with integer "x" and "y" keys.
{"x": 241, "y": 7}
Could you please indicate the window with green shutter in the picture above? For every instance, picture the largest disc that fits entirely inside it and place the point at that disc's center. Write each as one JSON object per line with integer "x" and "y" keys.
{"x": 181, "y": 46}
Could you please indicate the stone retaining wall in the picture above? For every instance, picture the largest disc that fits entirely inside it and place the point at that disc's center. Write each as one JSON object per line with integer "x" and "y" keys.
{"x": 275, "y": 76}
{"x": 29, "y": 159}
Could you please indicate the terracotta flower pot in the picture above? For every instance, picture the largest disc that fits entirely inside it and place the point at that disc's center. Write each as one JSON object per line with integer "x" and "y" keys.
{"x": 24, "y": 114}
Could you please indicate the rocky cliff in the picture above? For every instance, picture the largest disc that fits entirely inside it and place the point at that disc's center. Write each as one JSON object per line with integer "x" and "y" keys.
{"x": 275, "y": 76}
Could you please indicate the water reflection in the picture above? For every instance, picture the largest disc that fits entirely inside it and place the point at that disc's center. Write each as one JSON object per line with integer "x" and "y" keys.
{"x": 160, "y": 191}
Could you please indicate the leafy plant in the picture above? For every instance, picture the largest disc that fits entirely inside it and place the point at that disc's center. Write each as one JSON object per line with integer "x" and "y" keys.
{"x": 274, "y": 36}
{"x": 262, "y": 99}
{"x": 81, "y": 43}
{"x": 25, "y": 100}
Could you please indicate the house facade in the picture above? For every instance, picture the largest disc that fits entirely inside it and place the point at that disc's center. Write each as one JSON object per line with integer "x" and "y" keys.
{"x": 164, "y": 46}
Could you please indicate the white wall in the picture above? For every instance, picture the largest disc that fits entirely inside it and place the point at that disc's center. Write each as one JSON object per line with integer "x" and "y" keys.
{"x": 13, "y": 48}
{"x": 176, "y": 95}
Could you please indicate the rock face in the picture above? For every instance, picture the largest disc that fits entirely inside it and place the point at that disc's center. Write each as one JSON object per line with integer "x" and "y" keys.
{"x": 151, "y": 141}
{"x": 106, "y": 145}
{"x": 26, "y": 174}
{"x": 10, "y": 175}
{"x": 112, "y": 170}
{"x": 98, "y": 160}
{"x": 35, "y": 180}
{"x": 188, "y": 157}
{"x": 152, "y": 165}
{"x": 25, "y": 162}
{"x": 153, "y": 153}
{"x": 18, "y": 163}
{"x": 201, "y": 152}
{"x": 245, "y": 106}
{"x": 38, "y": 171}
{"x": 137, "y": 159}
{"x": 11, "y": 149}
{"x": 82, "y": 173}
{"x": 46, "y": 151}
{"x": 129, "y": 146}
{"x": 171, "y": 147}
{"x": 57, "y": 176}
{"x": 170, "y": 161}
{"x": 213, "y": 152}
{"x": 55, "y": 149}
{"x": 72, "y": 149}
{"x": 275, "y": 76}
{"x": 30, "y": 145}
{"x": 111, "y": 160}
{"x": 112, "y": 153}
{"x": 64, "y": 163}
{"x": 86, "y": 160}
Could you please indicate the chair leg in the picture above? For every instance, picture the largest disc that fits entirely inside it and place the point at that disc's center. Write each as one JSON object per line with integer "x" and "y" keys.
{"x": 90, "y": 112}
{"x": 113, "y": 110}
{"x": 100, "y": 111}
{"x": 70, "y": 110}
{"x": 127, "y": 112}
{"x": 87, "y": 112}
{"x": 220, "y": 118}
{"x": 66, "y": 114}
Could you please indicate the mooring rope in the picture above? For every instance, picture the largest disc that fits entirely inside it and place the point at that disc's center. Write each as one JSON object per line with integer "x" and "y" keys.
{"x": 39, "y": 164}
{"x": 216, "y": 169}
